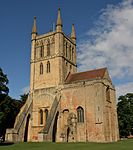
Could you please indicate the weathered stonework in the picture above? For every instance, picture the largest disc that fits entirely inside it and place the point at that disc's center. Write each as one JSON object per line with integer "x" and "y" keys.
{"x": 63, "y": 105}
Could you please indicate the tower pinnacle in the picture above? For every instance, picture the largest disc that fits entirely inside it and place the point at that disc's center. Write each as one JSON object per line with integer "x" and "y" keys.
{"x": 34, "y": 28}
{"x": 73, "y": 34}
{"x": 59, "y": 21}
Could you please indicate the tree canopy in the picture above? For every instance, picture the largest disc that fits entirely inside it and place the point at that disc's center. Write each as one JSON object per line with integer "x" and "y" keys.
{"x": 125, "y": 114}
{"x": 23, "y": 98}
{"x": 9, "y": 107}
{"x": 3, "y": 85}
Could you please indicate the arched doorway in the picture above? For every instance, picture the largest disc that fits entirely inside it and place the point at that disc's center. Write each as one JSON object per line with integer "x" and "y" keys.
{"x": 55, "y": 128}
{"x": 68, "y": 132}
{"x": 26, "y": 129}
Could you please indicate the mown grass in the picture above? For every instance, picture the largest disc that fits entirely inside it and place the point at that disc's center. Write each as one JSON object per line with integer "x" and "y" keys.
{"x": 121, "y": 145}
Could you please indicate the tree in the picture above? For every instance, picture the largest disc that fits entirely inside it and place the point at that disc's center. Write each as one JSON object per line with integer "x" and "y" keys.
{"x": 23, "y": 98}
{"x": 125, "y": 114}
{"x": 9, "y": 107}
{"x": 3, "y": 85}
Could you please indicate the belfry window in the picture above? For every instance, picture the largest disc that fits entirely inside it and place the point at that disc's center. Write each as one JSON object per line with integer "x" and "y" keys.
{"x": 41, "y": 68}
{"x": 80, "y": 114}
{"x": 41, "y": 51}
{"x": 48, "y": 67}
{"x": 70, "y": 52}
{"x": 48, "y": 49}
{"x": 70, "y": 67}
{"x": 108, "y": 94}
{"x": 66, "y": 49}
{"x": 41, "y": 117}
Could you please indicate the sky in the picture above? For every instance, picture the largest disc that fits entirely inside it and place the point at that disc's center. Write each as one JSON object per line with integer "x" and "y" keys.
{"x": 104, "y": 30}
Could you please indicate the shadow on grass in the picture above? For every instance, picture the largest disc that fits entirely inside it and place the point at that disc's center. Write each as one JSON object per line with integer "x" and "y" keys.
{"x": 6, "y": 143}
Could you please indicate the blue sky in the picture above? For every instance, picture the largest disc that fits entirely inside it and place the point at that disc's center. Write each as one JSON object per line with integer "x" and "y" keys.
{"x": 16, "y": 19}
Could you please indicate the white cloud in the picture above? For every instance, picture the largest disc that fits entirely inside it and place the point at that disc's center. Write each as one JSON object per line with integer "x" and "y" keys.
{"x": 25, "y": 90}
{"x": 123, "y": 89}
{"x": 110, "y": 44}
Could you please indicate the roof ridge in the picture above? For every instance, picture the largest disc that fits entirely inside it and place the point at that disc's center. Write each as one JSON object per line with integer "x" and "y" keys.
{"x": 91, "y": 74}
{"x": 90, "y": 70}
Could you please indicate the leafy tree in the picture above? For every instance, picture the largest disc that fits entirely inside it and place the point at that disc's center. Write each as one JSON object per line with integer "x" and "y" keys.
{"x": 23, "y": 98}
{"x": 125, "y": 114}
{"x": 9, "y": 107}
{"x": 3, "y": 85}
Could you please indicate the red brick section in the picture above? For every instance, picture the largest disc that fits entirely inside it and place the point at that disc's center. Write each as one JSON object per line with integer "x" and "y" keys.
{"x": 88, "y": 75}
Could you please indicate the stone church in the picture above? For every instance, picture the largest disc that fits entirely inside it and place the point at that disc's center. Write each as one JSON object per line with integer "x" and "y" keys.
{"x": 65, "y": 105}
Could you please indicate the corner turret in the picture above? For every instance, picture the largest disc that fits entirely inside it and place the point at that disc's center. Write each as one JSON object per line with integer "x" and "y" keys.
{"x": 59, "y": 22}
{"x": 34, "y": 29}
{"x": 73, "y": 34}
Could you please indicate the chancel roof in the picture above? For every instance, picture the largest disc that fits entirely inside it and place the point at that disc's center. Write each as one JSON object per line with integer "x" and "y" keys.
{"x": 88, "y": 75}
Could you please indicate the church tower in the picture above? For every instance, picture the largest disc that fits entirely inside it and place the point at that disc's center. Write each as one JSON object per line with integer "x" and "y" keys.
{"x": 53, "y": 56}
{"x": 64, "y": 105}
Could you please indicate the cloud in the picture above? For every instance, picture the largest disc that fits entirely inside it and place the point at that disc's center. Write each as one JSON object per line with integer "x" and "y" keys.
{"x": 25, "y": 90}
{"x": 110, "y": 42}
{"x": 123, "y": 89}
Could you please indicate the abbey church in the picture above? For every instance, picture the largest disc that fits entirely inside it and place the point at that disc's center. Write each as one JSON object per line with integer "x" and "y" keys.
{"x": 64, "y": 105}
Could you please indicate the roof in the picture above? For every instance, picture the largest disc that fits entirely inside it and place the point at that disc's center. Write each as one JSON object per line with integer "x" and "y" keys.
{"x": 88, "y": 75}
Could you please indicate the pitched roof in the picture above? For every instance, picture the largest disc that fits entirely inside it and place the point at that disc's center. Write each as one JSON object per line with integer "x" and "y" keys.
{"x": 88, "y": 75}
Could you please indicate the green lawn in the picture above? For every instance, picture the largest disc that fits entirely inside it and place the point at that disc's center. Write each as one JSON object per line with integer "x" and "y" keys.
{"x": 122, "y": 145}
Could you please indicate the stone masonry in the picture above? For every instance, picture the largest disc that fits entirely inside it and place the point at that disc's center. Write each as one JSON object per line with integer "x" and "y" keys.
{"x": 65, "y": 105}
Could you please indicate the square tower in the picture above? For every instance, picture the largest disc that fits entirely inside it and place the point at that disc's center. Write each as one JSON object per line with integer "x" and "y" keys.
{"x": 53, "y": 56}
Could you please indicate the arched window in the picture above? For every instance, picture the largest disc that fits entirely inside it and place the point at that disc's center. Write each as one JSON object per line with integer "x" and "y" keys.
{"x": 41, "y": 116}
{"x": 108, "y": 94}
{"x": 48, "y": 67}
{"x": 80, "y": 114}
{"x": 48, "y": 49}
{"x": 70, "y": 52}
{"x": 41, "y": 68}
{"x": 70, "y": 67}
{"x": 46, "y": 114}
{"x": 66, "y": 49}
{"x": 42, "y": 51}
{"x": 65, "y": 116}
